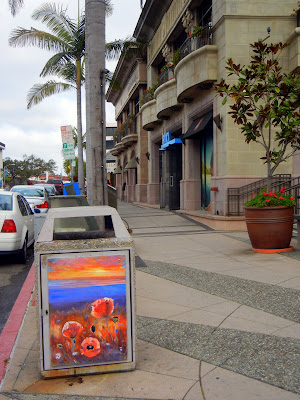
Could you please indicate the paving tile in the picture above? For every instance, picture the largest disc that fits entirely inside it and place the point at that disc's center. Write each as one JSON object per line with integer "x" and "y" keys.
{"x": 131, "y": 385}
{"x": 293, "y": 283}
{"x": 153, "y": 287}
{"x": 267, "y": 358}
{"x": 13, "y": 369}
{"x": 247, "y": 326}
{"x": 199, "y": 317}
{"x": 152, "y": 358}
{"x": 194, "y": 392}
{"x": 206, "y": 368}
{"x": 283, "y": 302}
{"x": 221, "y": 384}
{"x": 259, "y": 275}
{"x": 224, "y": 307}
{"x": 252, "y": 314}
{"x": 157, "y": 308}
{"x": 28, "y": 373}
{"x": 292, "y": 331}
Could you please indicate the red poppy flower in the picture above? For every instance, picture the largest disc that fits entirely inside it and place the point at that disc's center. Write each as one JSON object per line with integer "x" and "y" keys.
{"x": 271, "y": 193}
{"x": 281, "y": 198}
{"x": 284, "y": 188}
{"x": 71, "y": 329}
{"x": 265, "y": 194}
{"x": 267, "y": 200}
{"x": 90, "y": 347}
{"x": 102, "y": 308}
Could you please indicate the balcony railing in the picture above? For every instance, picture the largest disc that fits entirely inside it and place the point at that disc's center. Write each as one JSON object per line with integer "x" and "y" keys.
{"x": 128, "y": 129}
{"x": 194, "y": 43}
{"x": 165, "y": 75}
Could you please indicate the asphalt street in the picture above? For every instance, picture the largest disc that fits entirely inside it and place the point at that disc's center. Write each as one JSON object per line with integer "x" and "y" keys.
{"x": 12, "y": 277}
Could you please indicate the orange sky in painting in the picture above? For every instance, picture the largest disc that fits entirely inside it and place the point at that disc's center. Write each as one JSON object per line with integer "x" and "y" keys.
{"x": 86, "y": 267}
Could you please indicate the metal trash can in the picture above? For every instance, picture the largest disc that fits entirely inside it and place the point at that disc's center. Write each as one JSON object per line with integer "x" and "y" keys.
{"x": 85, "y": 275}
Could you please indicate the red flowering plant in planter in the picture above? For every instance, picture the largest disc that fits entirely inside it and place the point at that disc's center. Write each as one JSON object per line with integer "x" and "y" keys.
{"x": 270, "y": 199}
{"x": 265, "y": 103}
{"x": 269, "y": 217}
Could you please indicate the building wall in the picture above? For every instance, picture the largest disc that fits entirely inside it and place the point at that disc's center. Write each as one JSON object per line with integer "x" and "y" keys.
{"x": 236, "y": 24}
{"x": 190, "y": 95}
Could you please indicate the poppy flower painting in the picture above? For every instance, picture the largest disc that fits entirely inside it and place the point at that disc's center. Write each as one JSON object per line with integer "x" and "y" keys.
{"x": 88, "y": 309}
{"x": 90, "y": 347}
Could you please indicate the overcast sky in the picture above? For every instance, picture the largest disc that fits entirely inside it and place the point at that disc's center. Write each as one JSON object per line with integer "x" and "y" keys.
{"x": 37, "y": 131}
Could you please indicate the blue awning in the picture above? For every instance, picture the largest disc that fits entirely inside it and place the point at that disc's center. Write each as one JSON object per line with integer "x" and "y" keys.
{"x": 173, "y": 141}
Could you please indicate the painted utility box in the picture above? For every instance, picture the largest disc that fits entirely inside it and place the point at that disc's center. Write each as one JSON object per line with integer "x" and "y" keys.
{"x": 84, "y": 262}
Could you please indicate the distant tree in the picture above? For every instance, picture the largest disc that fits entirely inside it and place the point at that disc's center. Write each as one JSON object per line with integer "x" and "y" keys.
{"x": 30, "y": 166}
{"x": 67, "y": 167}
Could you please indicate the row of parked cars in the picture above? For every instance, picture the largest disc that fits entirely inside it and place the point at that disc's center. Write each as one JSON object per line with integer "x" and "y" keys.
{"x": 17, "y": 208}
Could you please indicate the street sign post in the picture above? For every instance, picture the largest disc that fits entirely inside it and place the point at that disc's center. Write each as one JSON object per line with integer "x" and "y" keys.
{"x": 68, "y": 151}
{"x": 67, "y": 134}
{"x": 68, "y": 145}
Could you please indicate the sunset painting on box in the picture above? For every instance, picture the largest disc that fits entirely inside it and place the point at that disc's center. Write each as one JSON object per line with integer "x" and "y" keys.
{"x": 87, "y": 310}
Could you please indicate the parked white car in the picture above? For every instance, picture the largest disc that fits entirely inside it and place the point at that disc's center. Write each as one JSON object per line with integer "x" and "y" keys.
{"x": 36, "y": 195}
{"x": 16, "y": 224}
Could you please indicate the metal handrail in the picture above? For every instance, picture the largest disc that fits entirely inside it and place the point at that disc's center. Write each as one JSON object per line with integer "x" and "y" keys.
{"x": 237, "y": 197}
{"x": 194, "y": 43}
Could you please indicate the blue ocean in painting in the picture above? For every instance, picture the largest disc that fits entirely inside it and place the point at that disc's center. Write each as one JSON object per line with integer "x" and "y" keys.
{"x": 61, "y": 297}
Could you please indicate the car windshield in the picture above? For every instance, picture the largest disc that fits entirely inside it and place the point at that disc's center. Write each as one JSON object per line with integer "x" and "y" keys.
{"x": 5, "y": 202}
{"x": 50, "y": 189}
{"x": 29, "y": 192}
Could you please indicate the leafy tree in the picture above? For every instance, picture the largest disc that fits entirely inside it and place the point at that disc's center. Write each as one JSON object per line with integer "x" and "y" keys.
{"x": 67, "y": 167}
{"x": 265, "y": 103}
{"x": 30, "y": 166}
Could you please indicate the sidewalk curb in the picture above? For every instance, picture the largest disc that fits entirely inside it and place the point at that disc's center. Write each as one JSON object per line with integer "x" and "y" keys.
{"x": 11, "y": 329}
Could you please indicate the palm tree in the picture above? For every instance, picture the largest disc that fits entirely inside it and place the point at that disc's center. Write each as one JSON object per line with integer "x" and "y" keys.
{"x": 67, "y": 39}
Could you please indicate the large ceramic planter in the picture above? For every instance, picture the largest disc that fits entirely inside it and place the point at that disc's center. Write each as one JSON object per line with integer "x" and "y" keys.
{"x": 270, "y": 228}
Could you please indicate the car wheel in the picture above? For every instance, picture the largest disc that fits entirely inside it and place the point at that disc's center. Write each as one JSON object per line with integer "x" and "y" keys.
{"x": 23, "y": 253}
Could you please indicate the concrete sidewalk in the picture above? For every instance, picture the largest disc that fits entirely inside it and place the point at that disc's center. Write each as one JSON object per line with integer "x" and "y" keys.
{"x": 214, "y": 321}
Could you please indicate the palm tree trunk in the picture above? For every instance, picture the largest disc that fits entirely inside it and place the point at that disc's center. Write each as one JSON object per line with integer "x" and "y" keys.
{"x": 95, "y": 110}
{"x": 79, "y": 128}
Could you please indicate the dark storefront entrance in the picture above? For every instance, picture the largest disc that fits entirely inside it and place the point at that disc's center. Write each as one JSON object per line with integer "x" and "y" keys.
{"x": 201, "y": 132}
{"x": 206, "y": 160}
{"x": 171, "y": 172}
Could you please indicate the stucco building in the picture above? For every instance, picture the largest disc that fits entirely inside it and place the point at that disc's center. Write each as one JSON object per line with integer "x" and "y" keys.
{"x": 176, "y": 144}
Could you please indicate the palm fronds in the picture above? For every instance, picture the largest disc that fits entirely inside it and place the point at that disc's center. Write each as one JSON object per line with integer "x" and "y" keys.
{"x": 39, "y": 91}
{"x": 56, "y": 19}
{"x": 21, "y": 37}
